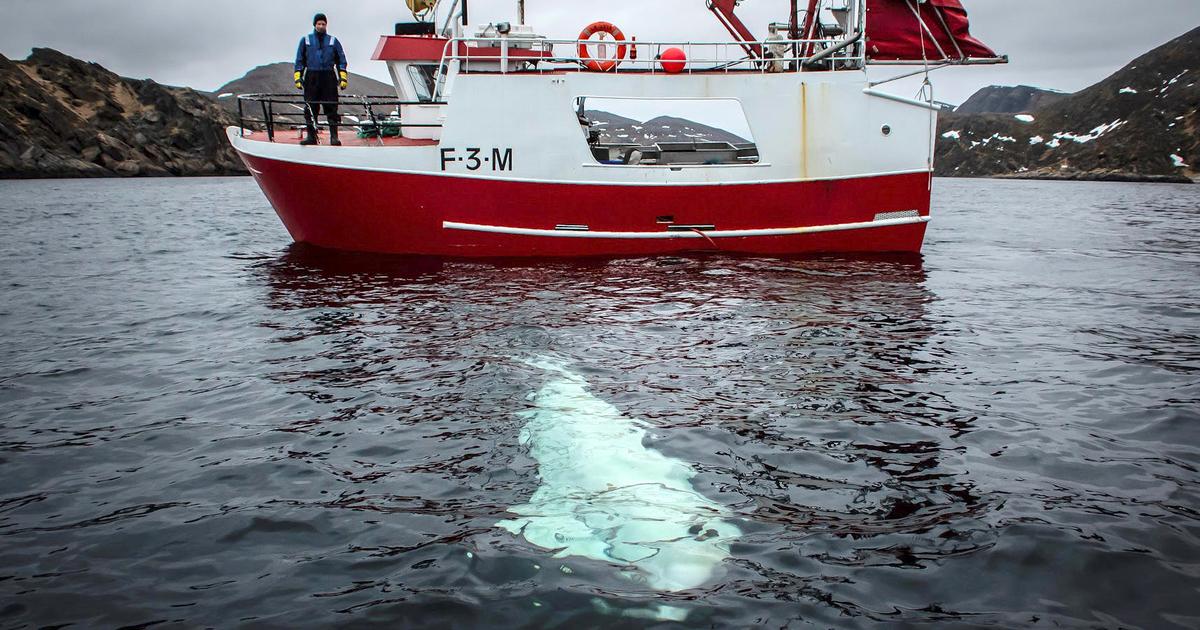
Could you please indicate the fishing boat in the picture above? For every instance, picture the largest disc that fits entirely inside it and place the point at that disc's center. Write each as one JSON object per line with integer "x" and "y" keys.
{"x": 504, "y": 142}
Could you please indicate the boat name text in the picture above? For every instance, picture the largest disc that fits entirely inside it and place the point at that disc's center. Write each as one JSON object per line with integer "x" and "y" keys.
{"x": 474, "y": 158}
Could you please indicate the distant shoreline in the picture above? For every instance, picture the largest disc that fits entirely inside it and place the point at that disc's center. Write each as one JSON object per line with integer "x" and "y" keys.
{"x": 9, "y": 177}
{"x": 1123, "y": 178}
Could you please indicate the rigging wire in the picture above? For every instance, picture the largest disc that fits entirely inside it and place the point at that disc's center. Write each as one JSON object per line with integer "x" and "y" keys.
{"x": 926, "y": 90}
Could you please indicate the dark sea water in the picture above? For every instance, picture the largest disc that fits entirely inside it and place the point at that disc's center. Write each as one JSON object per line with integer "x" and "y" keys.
{"x": 202, "y": 425}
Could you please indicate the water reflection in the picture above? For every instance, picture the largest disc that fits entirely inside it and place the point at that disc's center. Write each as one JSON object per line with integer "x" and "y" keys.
{"x": 201, "y": 434}
{"x": 797, "y": 389}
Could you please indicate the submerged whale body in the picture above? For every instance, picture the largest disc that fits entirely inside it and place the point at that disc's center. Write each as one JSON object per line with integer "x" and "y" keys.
{"x": 605, "y": 496}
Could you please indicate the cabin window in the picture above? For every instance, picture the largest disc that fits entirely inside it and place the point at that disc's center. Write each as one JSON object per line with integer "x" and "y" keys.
{"x": 671, "y": 132}
{"x": 423, "y": 77}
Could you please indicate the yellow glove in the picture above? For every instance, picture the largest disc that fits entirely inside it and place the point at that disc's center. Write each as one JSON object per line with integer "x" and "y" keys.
{"x": 299, "y": 83}
{"x": 345, "y": 79}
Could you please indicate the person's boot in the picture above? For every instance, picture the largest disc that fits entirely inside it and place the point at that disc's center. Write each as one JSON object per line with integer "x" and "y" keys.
{"x": 333, "y": 139}
{"x": 310, "y": 139}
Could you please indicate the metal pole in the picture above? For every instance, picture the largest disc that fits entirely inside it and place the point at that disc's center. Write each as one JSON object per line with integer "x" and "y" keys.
{"x": 449, "y": 17}
{"x": 268, "y": 111}
{"x": 521, "y": 12}
{"x": 811, "y": 61}
{"x": 464, "y": 12}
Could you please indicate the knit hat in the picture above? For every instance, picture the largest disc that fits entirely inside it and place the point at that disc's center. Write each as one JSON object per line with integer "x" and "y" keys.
{"x": 320, "y": 17}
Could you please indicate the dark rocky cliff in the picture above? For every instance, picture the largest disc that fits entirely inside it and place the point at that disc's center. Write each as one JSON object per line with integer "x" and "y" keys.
{"x": 62, "y": 117}
{"x": 1002, "y": 99}
{"x": 1140, "y": 124}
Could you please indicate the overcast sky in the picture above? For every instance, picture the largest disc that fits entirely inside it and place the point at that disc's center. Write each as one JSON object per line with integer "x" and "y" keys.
{"x": 1059, "y": 44}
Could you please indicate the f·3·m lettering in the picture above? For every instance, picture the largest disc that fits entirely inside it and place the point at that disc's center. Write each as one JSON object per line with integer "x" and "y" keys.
{"x": 502, "y": 161}
{"x": 476, "y": 158}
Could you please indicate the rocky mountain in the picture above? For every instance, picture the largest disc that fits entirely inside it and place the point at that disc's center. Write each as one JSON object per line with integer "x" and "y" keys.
{"x": 62, "y": 117}
{"x": 1140, "y": 124}
{"x": 276, "y": 78}
{"x": 618, "y": 129}
{"x": 1003, "y": 99}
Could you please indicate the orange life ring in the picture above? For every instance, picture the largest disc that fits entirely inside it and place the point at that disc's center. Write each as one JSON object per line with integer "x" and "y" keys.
{"x": 601, "y": 65}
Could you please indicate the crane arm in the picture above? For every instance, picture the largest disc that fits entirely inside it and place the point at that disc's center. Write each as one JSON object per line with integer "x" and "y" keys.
{"x": 724, "y": 10}
{"x": 811, "y": 22}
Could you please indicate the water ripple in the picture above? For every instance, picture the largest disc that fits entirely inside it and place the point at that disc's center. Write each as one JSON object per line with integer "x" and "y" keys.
{"x": 203, "y": 427}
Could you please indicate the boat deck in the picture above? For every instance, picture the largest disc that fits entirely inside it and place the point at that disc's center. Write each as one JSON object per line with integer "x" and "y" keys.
{"x": 348, "y": 137}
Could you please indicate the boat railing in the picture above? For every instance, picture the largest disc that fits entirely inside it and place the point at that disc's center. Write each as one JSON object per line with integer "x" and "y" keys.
{"x": 370, "y": 116}
{"x": 537, "y": 54}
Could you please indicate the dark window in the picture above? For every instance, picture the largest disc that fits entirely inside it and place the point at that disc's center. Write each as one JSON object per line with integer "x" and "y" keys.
{"x": 423, "y": 78}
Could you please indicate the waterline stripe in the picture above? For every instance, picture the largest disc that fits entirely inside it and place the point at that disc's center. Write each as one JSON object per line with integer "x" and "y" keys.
{"x": 812, "y": 229}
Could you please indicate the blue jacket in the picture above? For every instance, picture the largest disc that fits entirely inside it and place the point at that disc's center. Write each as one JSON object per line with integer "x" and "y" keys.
{"x": 320, "y": 52}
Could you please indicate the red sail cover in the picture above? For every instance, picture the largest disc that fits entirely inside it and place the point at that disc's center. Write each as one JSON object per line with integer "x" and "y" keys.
{"x": 895, "y": 32}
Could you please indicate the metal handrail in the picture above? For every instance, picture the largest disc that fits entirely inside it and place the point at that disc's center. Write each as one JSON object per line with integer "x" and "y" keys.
{"x": 650, "y": 63}
{"x": 458, "y": 53}
{"x": 355, "y": 104}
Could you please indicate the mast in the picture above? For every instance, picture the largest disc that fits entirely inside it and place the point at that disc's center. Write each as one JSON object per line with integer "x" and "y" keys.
{"x": 520, "y": 11}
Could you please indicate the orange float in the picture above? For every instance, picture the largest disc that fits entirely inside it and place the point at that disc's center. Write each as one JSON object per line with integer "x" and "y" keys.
{"x": 601, "y": 65}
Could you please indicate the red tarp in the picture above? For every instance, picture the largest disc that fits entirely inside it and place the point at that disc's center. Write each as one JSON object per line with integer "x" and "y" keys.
{"x": 895, "y": 33}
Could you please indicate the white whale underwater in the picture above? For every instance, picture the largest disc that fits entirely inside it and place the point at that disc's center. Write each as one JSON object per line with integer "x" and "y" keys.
{"x": 605, "y": 496}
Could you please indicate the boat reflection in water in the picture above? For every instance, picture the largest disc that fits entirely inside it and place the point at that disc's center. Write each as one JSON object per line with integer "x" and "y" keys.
{"x": 642, "y": 437}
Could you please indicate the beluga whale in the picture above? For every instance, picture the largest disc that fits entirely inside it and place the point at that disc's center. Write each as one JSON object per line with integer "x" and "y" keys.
{"x": 604, "y": 495}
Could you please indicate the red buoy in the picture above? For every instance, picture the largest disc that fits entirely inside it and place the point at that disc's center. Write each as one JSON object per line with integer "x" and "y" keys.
{"x": 673, "y": 60}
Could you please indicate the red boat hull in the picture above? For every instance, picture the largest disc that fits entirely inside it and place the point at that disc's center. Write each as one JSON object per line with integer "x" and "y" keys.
{"x": 403, "y": 213}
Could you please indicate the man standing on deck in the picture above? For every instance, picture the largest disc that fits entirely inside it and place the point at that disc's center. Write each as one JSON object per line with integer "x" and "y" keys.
{"x": 320, "y": 71}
